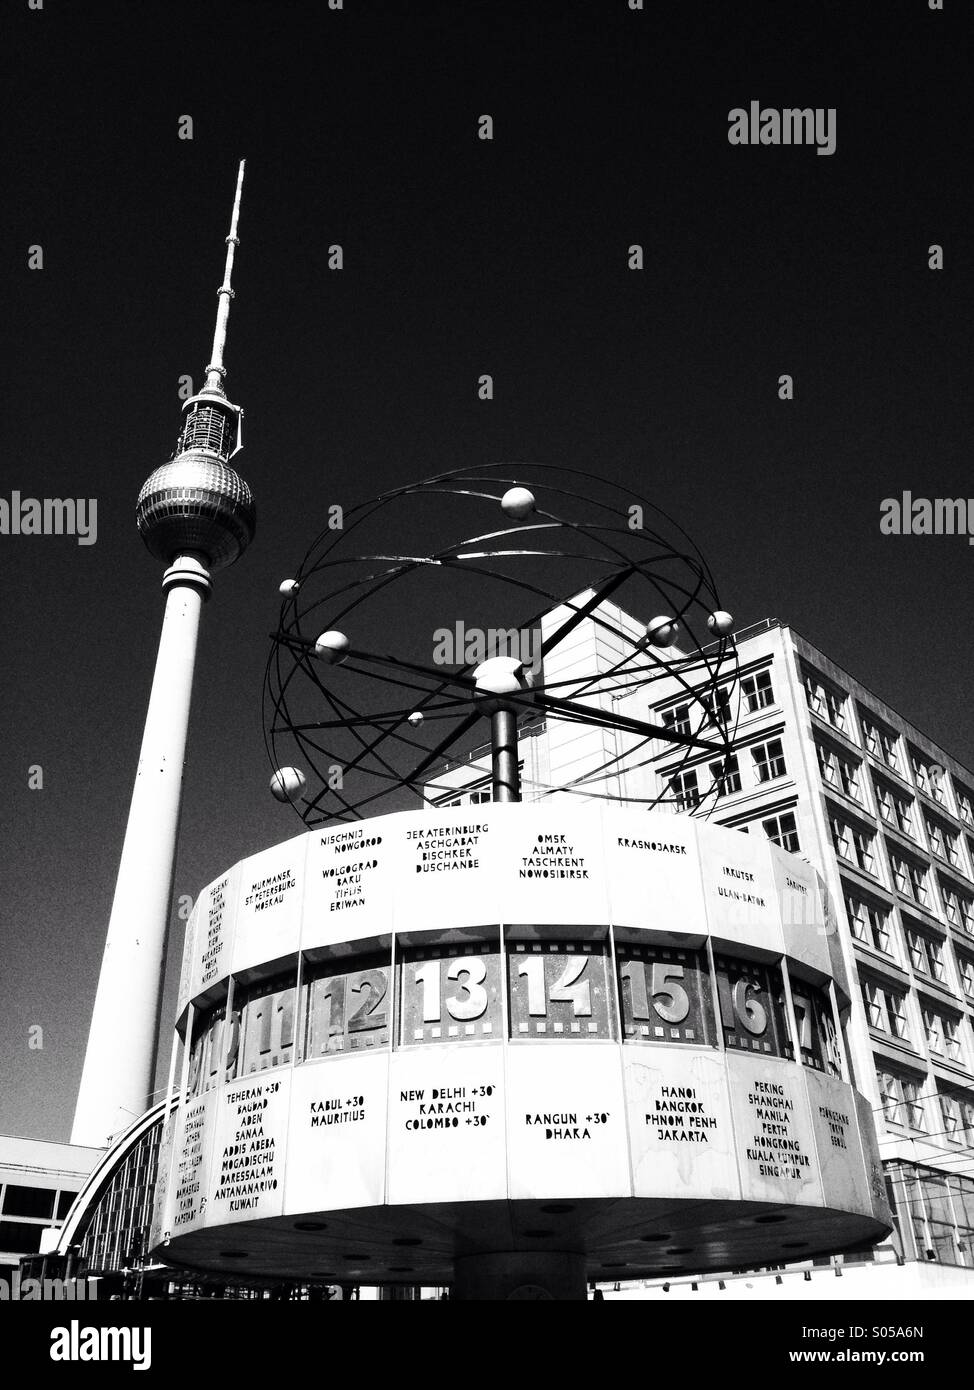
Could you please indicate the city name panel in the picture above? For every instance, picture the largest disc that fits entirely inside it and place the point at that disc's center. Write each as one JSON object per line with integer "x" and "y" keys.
{"x": 513, "y": 1028}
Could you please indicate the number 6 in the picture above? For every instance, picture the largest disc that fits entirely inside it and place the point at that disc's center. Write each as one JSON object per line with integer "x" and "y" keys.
{"x": 751, "y": 1015}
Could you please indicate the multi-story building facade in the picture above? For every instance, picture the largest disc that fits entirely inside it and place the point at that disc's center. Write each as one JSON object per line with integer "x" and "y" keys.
{"x": 826, "y": 769}
{"x": 39, "y": 1180}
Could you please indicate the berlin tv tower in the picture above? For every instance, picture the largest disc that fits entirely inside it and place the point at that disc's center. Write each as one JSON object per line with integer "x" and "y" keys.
{"x": 196, "y": 514}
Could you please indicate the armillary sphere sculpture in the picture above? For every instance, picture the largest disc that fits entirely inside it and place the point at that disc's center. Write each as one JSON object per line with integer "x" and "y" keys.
{"x": 391, "y": 648}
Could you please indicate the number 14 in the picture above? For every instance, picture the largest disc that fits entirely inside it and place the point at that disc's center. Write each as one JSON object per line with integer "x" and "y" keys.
{"x": 569, "y": 988}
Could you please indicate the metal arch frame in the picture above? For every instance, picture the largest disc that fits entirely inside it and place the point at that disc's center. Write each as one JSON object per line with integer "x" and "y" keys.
{"x": 435, "y": 701}
{"x": 79, "y": 1215}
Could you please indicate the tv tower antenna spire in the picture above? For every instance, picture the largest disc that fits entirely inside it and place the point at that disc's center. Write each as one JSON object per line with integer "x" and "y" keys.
{"x": 216, "y": 371}
{"x": 196, "y": 514}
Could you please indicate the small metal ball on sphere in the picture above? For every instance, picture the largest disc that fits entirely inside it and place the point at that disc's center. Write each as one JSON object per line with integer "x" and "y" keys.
{"x": 331, "y": 647}
{"x": 720, "y": 623}
{"x": 661, "y": 631}
{"x": 289, "y": 587}
{"x": 518, "y": 503}
{"x": 287, "y": 784}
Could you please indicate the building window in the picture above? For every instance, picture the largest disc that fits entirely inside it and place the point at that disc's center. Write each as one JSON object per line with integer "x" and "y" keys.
{"x": 891, "y": 1096}
{"x": 782, "y": 831}
{"x": 677, "y": 719}
{"x": 918, "y": 882}
{"x": 935, "y": 959}
{"x": 966, "y": 973}
{"x": 476, "y": 795}
{"x": 918, "y": 956}
{"x": 894, "y": 809}
{"x": 937, "y": 785}
{"x": 849, "y": 778}
{"x": 685, "y": 790}
{"x": 863, "y": 846}
{"x": 838, "y": 772}
{"x": 758, "y": 691}
{"x": 950, "y": 1112}
{"x": 826, "y": 702}
{"x": 942, "y": 842}
{"x": 913, "y": 1104}
{"x": 20, "y": 1237}
{"x": 854, "y": 845}
{"x": 936, "y": 1209}
{"x": 927, "y": 956}
{"x": 904, "y": 816}
{"x": 856, "y": 912}
{"x": 934, "y": 1030}
{"x": 965, "y": 804}
{"x": 879, "y": 926}
{"x": 815, "y": 696}
{"x": 29, "y": 1201}
{"x": 827, "y": 765}
{"x": 769, "y": 760}
{"x": 900, "y": 1100}
{"x": 935, "y": 835}
{"x": 910, "y": 879}
{"x": 882, "y": 744}
{"x": 929, "y": 777}
{"x": 477, "y": 798}
{"x": 945, "y": 1028}
{"x": 726, "y": 775}
{"x": 842, "y": 838}
{"x": 835, "y": 709}
{"x": 896, "y": 1013}
{"x": 888, "y": 750}
{"x": 959, "y": 909}
{"x": 872, "y": 998}
{"x": 870, "y": 925}
{"x": 717, "y": 705}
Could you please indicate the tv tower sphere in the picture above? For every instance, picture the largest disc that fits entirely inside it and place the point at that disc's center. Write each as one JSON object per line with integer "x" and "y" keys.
{"x": 196, "y": 503}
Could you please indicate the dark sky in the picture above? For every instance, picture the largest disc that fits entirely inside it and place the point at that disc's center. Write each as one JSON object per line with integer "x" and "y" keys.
{"x": 461, "y": 257}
